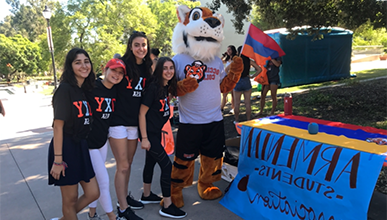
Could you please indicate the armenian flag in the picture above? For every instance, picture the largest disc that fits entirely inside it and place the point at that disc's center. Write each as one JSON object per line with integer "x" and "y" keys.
{"x": 260, "y": 46}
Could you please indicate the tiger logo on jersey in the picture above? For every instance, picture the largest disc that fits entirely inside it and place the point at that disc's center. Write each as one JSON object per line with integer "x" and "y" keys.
{"x": 196, "y": 70}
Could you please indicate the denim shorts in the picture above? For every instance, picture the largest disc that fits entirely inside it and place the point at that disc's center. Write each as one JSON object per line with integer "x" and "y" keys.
{"x": 243, "y": 84}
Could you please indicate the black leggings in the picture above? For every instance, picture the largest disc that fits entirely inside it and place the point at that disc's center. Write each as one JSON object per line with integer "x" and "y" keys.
{"x": 157, "y": 154}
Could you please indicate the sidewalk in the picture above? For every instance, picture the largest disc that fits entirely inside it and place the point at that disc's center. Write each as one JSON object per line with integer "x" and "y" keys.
{"x": 25, "y": 194}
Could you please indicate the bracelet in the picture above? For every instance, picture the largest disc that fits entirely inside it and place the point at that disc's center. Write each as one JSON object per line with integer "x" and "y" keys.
{"x": 64, "y": 164}
{"x": 57, "y": 154}
{"x": 144, "y": 138}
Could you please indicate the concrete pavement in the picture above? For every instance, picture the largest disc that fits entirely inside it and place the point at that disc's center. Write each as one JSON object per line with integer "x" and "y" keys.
{"x": 24, "y": 193}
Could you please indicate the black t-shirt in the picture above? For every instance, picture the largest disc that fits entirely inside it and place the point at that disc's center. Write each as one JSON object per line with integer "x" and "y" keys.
{"x": 102, "y": 102}
{"x": 158, "y": 113}
{"x": 273, "y": 71}
{"x": 129, "y": 95}
{"x": 246, "y": 66}
{"x": 71, "y": 106}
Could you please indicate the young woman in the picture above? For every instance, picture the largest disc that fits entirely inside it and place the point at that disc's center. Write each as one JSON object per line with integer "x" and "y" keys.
{"x": 68, "y": 156}
{"x": 123, "y": 131}
{"x": 243, "y": 86}
{"x": 231, "y": 52}
{"x": 102, "y": 101}
{"x": 272, "y": 67}
{"x": 154, "y": 113}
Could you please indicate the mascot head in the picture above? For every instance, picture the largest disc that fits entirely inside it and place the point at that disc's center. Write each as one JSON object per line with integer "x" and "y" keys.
{"x": 199, "y": 33}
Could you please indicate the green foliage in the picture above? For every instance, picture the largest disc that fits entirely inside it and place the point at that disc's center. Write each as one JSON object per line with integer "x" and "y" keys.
{"x": 27, "y": 19}
{"x": 316, "y": 13}
{"x": 100, "y": 27}
{"x": 366, "y": 35}
{"x": 23, "y": 55}
{"x": 258, "y": 18}
{"x": 165, "y": 13}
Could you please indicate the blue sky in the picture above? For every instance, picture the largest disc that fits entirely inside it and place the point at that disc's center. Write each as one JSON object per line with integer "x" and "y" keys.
{"x": 4, "y": 10}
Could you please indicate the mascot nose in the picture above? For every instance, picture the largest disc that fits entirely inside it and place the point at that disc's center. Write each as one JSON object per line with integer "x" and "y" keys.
{"x": 213, "y": 22}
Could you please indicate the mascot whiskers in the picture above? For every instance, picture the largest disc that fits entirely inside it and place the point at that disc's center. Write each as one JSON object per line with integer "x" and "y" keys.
{"x": 201, "y": 80}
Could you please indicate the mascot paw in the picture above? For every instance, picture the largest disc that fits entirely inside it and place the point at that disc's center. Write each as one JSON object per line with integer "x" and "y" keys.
{"x": 186, "y": 86}
{"x": 236, "y": 69}
{"x": 176, "y": 196}
{"x": 208, "y": 191}
{"x": 236, "y": 66}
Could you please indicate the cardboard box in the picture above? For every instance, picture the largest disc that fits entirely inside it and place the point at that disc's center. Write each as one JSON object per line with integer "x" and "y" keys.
{"x": 229, "y": 171}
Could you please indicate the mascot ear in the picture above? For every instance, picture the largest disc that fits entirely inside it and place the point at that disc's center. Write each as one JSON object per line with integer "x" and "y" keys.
{"x": 220, "y": 17}
{"x": 182, "y": 11}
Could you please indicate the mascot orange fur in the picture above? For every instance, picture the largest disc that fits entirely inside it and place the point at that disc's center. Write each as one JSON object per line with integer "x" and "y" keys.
{"x": 201, "y": 78}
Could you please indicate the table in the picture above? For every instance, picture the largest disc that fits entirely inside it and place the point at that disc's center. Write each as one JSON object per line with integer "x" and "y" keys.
{"x": 286, "y": 173}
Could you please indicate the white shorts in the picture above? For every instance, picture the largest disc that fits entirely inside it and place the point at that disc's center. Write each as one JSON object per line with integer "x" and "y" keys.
{"x": 120, "y": 132}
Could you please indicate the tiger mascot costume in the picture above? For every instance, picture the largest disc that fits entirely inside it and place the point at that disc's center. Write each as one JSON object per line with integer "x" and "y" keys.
{"x": 196, "y": 42}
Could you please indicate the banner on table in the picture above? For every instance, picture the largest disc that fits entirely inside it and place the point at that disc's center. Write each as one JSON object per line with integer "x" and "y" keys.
{"x": 287, "y": 177}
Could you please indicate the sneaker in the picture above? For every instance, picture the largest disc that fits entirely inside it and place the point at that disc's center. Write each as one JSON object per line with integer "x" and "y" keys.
{"x": 152, "y": 198}
{"x": 132, "y": 203}
{"x": 95, "y": 217}
{"x": 232, "y": 111}
{"x": 172, "y": 212}
{"x": 128, "y": 214}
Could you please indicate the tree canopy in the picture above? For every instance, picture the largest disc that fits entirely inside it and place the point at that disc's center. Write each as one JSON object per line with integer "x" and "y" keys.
{"x": 101, "y": 27}
{"x": 314, "y": 13}
{"x": 18, "y": 54}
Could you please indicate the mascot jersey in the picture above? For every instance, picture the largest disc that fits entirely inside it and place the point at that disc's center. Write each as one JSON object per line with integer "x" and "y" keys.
{"x": 209, "y": 76}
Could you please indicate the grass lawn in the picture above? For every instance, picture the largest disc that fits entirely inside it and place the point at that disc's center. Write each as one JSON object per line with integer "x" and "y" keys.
{"x": 355, "y": 102}
{"x": 360, "y": 75}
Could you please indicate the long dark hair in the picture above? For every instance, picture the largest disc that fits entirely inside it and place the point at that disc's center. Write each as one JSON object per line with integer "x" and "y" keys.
{"x": 68, "y": 74}
{"x": 157, "y": 76}
{"x": 130, "y": 60}
{"x": 233, "y": 53}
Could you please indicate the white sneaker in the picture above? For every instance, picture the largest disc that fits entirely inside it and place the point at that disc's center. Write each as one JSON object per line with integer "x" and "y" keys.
{"x": 232, "y": 111}
{"x": 95, "y": 217}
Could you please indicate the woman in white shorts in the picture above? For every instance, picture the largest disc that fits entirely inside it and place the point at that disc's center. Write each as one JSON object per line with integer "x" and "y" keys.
{"x": 101, "y": 99}
{"x": 123, "y": 131}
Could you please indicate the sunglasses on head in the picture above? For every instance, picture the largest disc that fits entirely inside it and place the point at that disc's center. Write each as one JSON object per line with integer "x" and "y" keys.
{"x": 139, "y": 32}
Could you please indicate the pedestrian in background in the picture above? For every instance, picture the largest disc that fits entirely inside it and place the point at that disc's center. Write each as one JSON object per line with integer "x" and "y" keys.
{"x": 243, "y": 86}
{"x": 272, "y": 67}
{"x": 231, "y": 52}
{"x": 154, "y": 57}
{"x": 2, "y": 110}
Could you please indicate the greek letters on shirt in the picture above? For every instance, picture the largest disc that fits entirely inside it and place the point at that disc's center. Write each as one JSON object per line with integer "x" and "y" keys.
{"x": 83, "y": 111}
{"x": 137, "y": 90}
{"x": 106, "y": 111}
{"x": 164, "y": 107}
